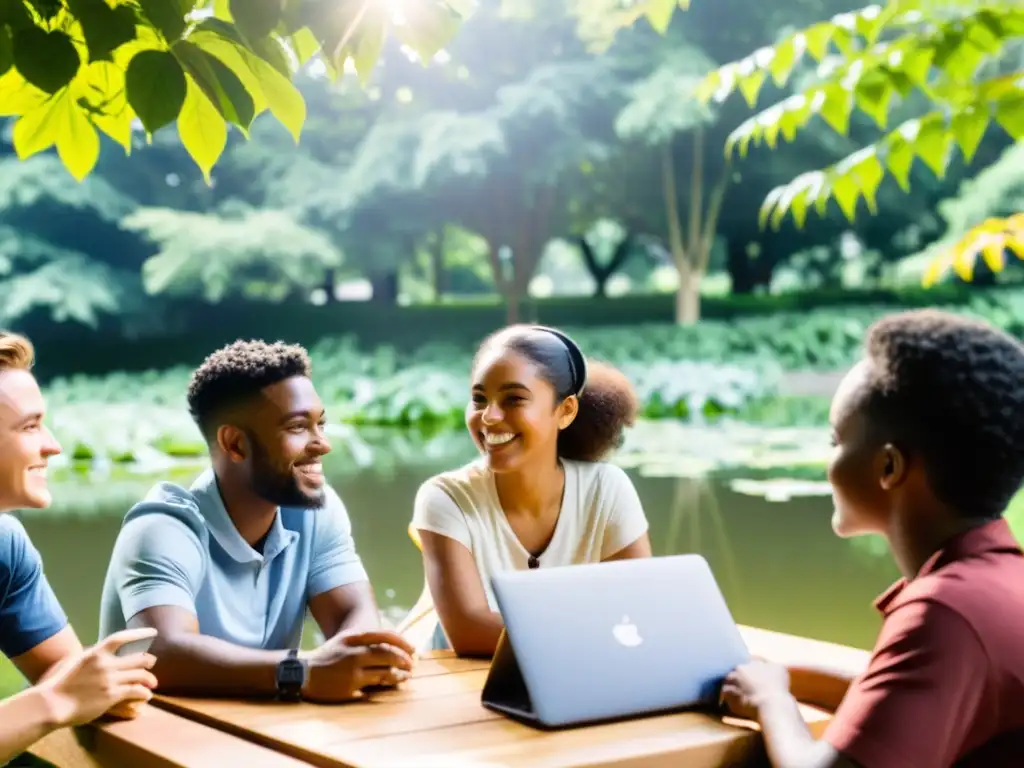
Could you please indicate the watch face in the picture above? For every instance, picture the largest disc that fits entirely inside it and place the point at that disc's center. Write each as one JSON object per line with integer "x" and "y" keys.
{"x": 291, "y": 672}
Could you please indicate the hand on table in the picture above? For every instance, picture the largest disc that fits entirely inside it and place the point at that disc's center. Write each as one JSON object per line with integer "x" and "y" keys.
{"x": 748, "y": 686}
{"x": 349, "y": 662}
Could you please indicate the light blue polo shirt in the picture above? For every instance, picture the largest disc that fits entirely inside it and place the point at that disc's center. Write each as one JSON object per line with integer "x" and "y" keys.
{"x": 179, "y": 547}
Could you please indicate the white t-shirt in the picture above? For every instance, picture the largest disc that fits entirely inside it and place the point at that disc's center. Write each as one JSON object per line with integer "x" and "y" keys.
{"x": 601, "y": 514}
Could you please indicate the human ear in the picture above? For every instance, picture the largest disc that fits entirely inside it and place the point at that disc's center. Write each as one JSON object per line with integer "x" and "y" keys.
{"x": 894, "y": 467}
{"x": 233, "y": 442}
{"x": 567, "y": 411}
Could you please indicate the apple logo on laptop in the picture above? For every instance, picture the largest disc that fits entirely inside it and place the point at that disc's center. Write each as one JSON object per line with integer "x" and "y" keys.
{"x": 626, "y": 633}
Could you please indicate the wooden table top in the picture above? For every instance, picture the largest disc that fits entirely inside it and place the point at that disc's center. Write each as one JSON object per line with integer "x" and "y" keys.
{"x": 155, "y": 739}
{"x": 436, "y": 719}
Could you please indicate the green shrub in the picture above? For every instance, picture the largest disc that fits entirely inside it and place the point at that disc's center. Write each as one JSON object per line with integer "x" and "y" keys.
{"x": 142, "y": 418}
{"x": 202, "y": 327}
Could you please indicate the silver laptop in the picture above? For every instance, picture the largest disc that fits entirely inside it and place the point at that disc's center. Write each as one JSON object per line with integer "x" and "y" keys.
{"x": 588, "y": 643}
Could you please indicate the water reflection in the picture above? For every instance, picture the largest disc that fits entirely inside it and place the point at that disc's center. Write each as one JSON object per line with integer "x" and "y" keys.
{"x": 778, "y": 564}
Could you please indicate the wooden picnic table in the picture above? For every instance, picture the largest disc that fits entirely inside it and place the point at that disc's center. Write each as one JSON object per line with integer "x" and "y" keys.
{"x": 434, "y": 719}
{"x": 155, "y": 739}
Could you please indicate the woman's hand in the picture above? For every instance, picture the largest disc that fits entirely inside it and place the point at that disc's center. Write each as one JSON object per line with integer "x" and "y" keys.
{"x": 750, "y": 685}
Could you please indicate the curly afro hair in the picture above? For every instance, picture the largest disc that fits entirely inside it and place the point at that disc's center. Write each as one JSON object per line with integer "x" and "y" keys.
{"x": 239, "y": 372}
{"x": 950, "y": 390}
{"x": 607, "y": 405}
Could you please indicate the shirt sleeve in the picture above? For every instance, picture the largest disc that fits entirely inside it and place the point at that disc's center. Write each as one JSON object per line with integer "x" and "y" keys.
{"x": 157, "y": 560}
{"x": 335, "y": 561}
{"x": 435, "y": 511}
{"x": 928, "y": 668}
{"x": 29, "y": 610}
{"x": 626, "y": 521}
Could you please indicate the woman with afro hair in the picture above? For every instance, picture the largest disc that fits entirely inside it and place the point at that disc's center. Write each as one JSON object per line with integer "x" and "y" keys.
{"x": 543, "y": 418}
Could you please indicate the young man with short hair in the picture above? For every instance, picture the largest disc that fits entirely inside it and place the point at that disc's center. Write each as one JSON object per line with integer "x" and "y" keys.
{"x": 227, "y": 569}
{"x": 929, "y": 436}
{"x": 69, "y": 685}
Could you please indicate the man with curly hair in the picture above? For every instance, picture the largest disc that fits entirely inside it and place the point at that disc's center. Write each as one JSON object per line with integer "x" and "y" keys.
{"x": 226, "y": 570}
{"x": 929, "y": 436}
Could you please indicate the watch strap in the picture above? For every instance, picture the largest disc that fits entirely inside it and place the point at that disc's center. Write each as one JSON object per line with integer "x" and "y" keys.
{"x": 290, "y": 676}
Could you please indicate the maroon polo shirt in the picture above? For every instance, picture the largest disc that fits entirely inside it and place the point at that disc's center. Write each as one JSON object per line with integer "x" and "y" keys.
{"x": 945, "y": 684}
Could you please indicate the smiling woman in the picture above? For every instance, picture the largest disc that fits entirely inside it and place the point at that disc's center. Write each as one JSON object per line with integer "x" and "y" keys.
{"x": 543, "y": 418}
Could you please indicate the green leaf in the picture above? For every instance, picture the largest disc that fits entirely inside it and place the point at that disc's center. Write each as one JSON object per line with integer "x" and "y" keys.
{"x": 659, "y": 14}
{"x": 369, "y": 42}
{"x": 36, "y": 130}
{"x": 104, "y": 28}
{"x": 932, "y": 145}
{"x": 283, "y": 99}
{"x": 968, "y": 127}
{"x": 786, "y": 55}
{"x": 48, "y": 60}
{"x": 268, "y": 87}
{"x": 15, "y": 15}
{"x": 873, "y": 97}
{"x": 304, "y": 45}
{"x": 78, "y": 144}
{"x": 224, "y": 89}
{"x": 222, "y": 10}
{"x": 431, "y": 26}
{"x": 899, "y": 159}
{"x": 6, "y": 50}
{"x": 155, "y": 86}
{"x": 846, "y": 194}
{"x": 770, "y": 204}
{"x": 256, "y": 18}
{"x": 18, "y": 97}
{"x": 750, "y": 84}
{"x": 201, "y": 128}
{"x": 957, "y": 56}
{"x": 168, "y": 16}
{"x": 47, "y": 9}
{"x": 1010, "y": 115}
{"x": 103, "y": 84}
{"x": 867, "y": 172}
{"x": 817, "y": 38}
{"x": 270, "y": 50}
{"x": 836, "y": 106}
{"x": 916, "y": 64}
{"x": 796, "y": 115}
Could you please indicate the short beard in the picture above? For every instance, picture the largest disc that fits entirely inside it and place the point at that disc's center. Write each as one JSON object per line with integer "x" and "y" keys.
{"x": 277, "y": 486}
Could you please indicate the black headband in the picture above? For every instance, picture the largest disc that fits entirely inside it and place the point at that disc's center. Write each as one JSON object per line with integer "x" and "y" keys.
{"x": 577, "y": 362}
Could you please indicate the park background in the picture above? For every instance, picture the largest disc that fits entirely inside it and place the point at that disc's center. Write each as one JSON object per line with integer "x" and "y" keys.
{"x": 535, "y": 170}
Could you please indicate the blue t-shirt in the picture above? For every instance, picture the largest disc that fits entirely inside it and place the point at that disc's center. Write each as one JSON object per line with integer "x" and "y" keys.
{"x": 29, "y": 610}
{"x": 179, "y": 547}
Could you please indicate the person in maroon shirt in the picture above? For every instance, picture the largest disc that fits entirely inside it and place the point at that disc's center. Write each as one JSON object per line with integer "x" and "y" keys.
{"x": 929, "y": 449}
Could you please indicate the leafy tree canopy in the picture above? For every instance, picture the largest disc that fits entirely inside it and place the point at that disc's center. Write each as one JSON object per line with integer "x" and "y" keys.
{"x": 73, "y": 69}
{"x": 870, "y": 60}
{"x": 253, "y": 251}
{"x": 35, "y": 274}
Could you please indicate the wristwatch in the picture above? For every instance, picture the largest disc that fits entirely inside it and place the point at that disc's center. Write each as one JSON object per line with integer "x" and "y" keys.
{"x": 291, "y": 676}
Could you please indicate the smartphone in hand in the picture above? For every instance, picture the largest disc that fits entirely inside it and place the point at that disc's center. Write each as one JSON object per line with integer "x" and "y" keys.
{"x": 136, "y": 646}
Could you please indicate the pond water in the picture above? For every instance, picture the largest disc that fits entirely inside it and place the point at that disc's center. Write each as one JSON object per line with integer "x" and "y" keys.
{"x": 778, "y": 563}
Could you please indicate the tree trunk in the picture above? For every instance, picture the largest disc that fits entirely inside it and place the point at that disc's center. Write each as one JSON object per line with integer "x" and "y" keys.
{"x": 512, "y": 304}
{"x": 384, "y": 288}
{"x": 602, "y": 274}
{"x": 688, "y": 297}
{"x": 687, "y": 302}
{"x": 594, "y": 268}
{"x": 737, "y": 264}
{"x": 330, "y": 280}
